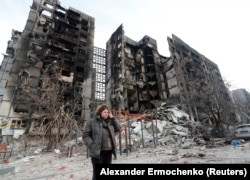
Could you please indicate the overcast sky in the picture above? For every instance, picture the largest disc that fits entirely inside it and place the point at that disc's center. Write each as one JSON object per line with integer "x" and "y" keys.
{"x": 218, "y": 29}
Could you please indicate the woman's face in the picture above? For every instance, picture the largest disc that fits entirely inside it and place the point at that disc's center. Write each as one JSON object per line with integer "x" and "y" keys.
{"x": 105, "y": 114}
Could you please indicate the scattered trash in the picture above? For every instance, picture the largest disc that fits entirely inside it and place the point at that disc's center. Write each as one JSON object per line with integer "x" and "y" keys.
{"x": 236, "y": 143}
{"x": 38, "y": 151}
{"x": 17, "y": 169}
{"x": 57, "y": 151}
{"x": 62, "y": 168}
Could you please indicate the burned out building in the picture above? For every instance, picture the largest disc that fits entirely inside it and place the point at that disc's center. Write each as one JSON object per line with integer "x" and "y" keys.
{"x": 134, "y": 78}
{"x": 197, "y": 83}
{"x": 138, "y": 77}
{"x": 51, "y": 70}
{"x": 54, "y": 53}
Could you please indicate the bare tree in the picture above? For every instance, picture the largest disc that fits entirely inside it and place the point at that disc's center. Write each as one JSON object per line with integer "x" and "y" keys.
{"x": 56, "y": 105}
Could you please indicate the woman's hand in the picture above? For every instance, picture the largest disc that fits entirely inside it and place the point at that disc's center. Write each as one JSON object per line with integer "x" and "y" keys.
{"x": 110, "y": 114}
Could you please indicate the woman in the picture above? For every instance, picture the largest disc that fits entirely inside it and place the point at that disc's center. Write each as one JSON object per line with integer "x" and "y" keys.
{"x": 99, "y": 136}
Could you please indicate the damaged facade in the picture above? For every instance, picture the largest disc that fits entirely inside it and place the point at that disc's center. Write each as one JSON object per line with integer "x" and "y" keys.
{"x": 99, "y": 65}
{"x": 135, "y": 78}
{"x": 198, "y": 85}
{"x": 57, "y": 45}
{"x": 242, "y": 101}
{"x": 138, "y": 77}
{"x": 53, "y": 53}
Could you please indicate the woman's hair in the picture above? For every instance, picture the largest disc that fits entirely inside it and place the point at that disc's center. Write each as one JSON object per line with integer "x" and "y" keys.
{"x": 101, "y": 108}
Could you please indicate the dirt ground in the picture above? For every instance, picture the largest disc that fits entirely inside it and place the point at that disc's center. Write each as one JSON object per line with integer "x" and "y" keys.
{"x": 57, "y": 166}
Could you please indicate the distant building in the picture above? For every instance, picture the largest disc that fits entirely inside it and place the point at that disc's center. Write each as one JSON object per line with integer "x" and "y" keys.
{"x": 99, "y": 64}
{"x": 242, "y": 101}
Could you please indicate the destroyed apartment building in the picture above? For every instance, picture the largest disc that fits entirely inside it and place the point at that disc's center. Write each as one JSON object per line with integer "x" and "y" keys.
{"x": 52, "y": 72}
{"x": 47, "y": 71}
{"x": 138, "y": 78}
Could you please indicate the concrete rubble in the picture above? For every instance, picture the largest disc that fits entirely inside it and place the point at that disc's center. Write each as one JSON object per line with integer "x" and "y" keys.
{"x": 166, "y": 136}
{"x": 165, "y": 126}
{"x": 57, "y": 165}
